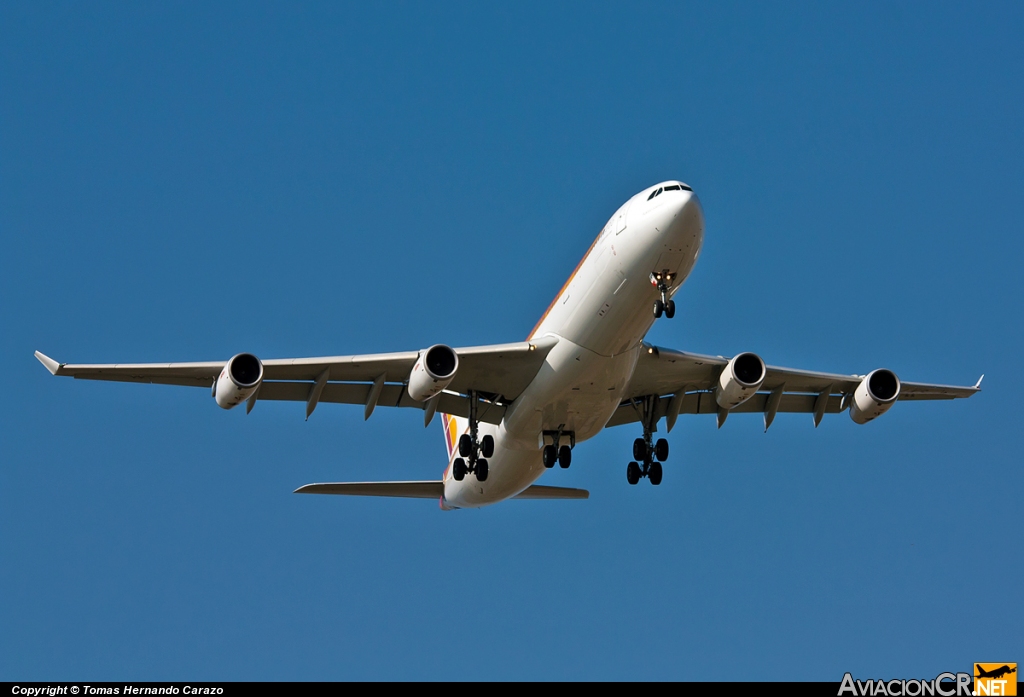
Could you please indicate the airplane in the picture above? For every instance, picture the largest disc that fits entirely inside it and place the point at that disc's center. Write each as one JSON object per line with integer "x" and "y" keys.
{"x": 995, "y": 673}
{"x": 511, "y": 412}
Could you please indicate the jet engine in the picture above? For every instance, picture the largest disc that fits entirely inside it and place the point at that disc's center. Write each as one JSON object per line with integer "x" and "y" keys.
{"x": 740, "y": 380}
{"x": 433, "y": 371}
{"x": 874, "y": 395}
{"x": 238, "y": 380}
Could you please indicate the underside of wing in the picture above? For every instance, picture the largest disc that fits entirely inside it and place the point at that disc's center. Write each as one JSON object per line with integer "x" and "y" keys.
{"x": 200, "y": 374}
{"x": 492, "y": 376}
{"x": 668, "y": 383}
{"x": 500, "y": 369}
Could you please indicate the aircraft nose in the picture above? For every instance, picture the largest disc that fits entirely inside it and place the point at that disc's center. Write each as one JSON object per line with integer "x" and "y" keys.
{"x": 681, "y": 230}
{"x": 682, "y": 215}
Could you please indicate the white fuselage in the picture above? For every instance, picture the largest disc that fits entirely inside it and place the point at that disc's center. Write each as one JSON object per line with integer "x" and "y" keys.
{"x": 600, "y": 318}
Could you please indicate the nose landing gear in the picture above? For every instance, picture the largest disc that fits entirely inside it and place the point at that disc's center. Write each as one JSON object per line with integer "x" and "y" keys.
{"x": 473, "y": 451}
{"x": 662, "y": 280}
{"x": 649, "y": 453}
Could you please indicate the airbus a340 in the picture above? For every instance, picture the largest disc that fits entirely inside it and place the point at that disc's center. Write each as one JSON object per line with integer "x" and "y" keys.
{"x": 511, "y": 411}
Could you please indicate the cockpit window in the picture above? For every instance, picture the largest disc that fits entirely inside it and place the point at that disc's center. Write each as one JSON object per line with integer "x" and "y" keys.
{"x": 670, "y": 187}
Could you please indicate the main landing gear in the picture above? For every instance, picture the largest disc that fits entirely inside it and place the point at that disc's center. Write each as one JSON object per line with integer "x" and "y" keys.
{"x": 473, "y": 451}
{"x": 662, "y": 280}
{"x": 562, "y": 454}
{"x": 649, "y": 453}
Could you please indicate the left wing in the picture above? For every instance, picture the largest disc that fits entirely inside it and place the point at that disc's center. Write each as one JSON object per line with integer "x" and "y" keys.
{"x": 497, "y": 374}
{"x": 684, "y": 383}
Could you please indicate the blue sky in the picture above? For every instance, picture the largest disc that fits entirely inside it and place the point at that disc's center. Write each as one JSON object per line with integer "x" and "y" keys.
{"x": 184, "y": 183}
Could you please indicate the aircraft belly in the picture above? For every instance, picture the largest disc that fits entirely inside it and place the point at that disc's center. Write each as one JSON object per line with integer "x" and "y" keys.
{"x": 576, "y": 390}
{"x": 510, "y": 471}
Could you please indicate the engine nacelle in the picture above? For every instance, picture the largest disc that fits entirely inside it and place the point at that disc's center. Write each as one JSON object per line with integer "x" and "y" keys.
{"x": 238, "y": 380}
{"x": 740, "y": 380}
{"x": 874, "y": 395}
{"x": 433, "y": 371}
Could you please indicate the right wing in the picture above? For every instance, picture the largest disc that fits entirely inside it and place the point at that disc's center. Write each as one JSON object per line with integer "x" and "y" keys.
{"x": 684, "y": 383}
{"x": 498, "y": 374}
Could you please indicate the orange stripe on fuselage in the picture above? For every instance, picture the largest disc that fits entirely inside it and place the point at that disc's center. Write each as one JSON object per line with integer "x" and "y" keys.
{"x": 451, "y": 438}
{"x": 571, "y": 276}
{"x": 449, "y": 433}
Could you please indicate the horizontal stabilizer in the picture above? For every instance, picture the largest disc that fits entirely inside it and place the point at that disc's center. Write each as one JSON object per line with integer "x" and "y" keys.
{"x": 552, "y": 492}
{"x": 428, "y": 490}
{"x": 407, "y": 490}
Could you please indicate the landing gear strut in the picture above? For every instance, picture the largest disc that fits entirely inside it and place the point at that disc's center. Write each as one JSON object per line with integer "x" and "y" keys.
{"x": 662, "y": 280}
{"x": 646, "y": 451}
{"x": 562, "y": 454}
{"x": 473, "y": 450}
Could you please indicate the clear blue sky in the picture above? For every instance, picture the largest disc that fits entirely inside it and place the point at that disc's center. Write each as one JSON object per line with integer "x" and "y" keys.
{"x": 183, "y": 182}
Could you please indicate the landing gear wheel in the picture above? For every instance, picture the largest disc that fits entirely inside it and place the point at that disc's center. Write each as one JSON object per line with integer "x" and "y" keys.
{"x": 639, "y": 449}
{"x": 465, "y": 445}
{"x": 550, "y": 456}
{"x": 661, "y": 449}
{"x": 632, "y": 473}
{"x": 481, "y": 470}
{"x": 654, "y": 473}
{"x": 564, "y": 456}
{"x": 663, "y": 282}
{"x": 459, "y": 469}
{"x": 487, "y": 446}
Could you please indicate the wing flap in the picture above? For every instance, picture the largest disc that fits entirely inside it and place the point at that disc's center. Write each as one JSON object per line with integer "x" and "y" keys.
{"x": 391, "y": 395}
{"x": 394, "y": 366}
{"x": 919, "y": 390}
{"x": 147, "y": 379}
{"x": 192, "y": 374}
{"x": 704, "y": 403}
